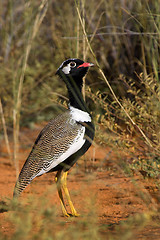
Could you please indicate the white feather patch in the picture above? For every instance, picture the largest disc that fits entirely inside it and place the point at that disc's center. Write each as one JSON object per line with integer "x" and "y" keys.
{"x": 66, "y": 69}
{"x": 71, "y": 59}
{"x": 74, "y": 147}
{"x": 79, "y": 115}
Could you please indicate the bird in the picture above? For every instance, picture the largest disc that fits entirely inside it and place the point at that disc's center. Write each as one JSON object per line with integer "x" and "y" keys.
{"x": 64, "y": 139}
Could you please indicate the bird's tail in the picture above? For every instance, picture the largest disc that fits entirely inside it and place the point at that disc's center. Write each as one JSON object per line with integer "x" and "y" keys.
{"x": 26, "y": 175}
{"x": 23, "y": 181}
{"x": 17, "y": 190}
{"x": 20, "y": 185}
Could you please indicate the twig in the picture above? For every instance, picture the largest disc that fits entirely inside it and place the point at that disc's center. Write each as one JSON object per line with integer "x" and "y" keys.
{"x": 128, "y": 33}
{"x": 5, "y": 130}
{"x": 84, "y": 45}
{"x": 105, "y": 79}
{"x": 16, "y": 113}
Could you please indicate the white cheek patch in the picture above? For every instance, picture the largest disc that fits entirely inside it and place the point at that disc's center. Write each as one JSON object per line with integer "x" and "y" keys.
{"x": 66, "y": 69}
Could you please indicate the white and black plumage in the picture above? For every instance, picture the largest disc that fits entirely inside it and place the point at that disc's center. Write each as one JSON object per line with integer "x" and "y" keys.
{"x": 64, "y": 139}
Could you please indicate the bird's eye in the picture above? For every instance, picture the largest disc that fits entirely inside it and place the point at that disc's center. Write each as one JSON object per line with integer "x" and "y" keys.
{"x": 72, "y": 64}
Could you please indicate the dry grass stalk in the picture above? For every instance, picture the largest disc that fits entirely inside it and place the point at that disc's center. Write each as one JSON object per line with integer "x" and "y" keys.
{"x": 84, "y": 44}
{"x": 105, "y": 79}
{"x": 16, "y": 113}
{"x": 5, "y": 131}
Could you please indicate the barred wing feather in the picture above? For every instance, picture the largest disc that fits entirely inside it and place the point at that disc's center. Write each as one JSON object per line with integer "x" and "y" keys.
{"x": 61, "y": 138}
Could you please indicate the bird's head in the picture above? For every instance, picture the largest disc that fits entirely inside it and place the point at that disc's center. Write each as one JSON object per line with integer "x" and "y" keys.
{"x": 73, "y": 68}
{"x": 72, "y": 72}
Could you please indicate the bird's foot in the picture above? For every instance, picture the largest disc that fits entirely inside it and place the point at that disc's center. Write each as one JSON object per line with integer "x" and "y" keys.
{"x": 66, "y": 214}
{"x": 75, "y": 214}
{"x": 73, "y": 210}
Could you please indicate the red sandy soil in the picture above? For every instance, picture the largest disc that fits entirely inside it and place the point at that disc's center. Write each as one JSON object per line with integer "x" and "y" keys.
{"x": 116, "y": 197}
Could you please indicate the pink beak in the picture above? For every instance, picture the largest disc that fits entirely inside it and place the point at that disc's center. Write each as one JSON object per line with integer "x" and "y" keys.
{"x": 85, "y": 64}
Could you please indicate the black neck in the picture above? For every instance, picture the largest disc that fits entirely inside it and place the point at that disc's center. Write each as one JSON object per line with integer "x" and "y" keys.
{"x": 76, "y": 100}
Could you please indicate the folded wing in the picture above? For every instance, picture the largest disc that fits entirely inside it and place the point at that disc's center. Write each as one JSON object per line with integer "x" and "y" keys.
{"x": 61, "y": 138}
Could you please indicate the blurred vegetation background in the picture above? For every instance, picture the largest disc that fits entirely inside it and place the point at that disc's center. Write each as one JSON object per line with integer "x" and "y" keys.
{"x": 37, "y": 36}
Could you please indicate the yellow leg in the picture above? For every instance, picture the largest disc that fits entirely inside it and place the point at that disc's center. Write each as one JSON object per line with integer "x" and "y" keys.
{"x": 64, "y": 186}
{"x": 59, "y": 185}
